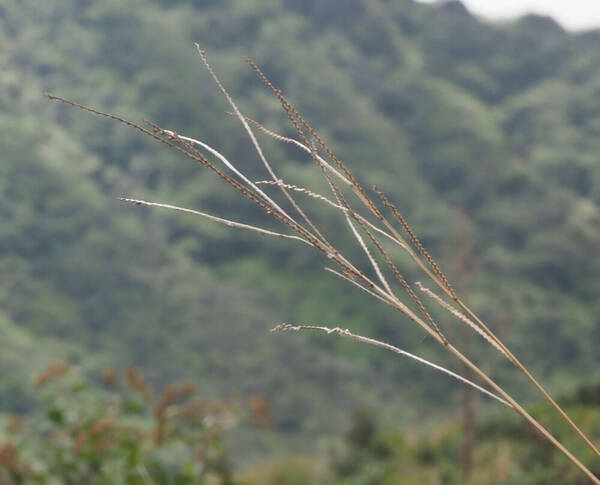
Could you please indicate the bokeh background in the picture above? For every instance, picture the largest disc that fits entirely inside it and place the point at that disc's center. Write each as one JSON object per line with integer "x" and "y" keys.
{"x": 485, "y": 133}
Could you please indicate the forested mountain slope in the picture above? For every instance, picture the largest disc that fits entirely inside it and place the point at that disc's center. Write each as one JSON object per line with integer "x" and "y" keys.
{"x": 485, "y": 136}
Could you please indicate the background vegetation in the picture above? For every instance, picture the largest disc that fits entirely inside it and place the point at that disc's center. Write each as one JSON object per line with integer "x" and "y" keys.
{"x": 486, "y": 135}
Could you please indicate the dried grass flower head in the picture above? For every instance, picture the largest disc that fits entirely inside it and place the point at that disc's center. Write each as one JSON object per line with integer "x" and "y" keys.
{"x": 370, "y": 227}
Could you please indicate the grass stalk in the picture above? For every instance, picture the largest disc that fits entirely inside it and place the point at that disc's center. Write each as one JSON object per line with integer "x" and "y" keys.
{"x": 376, "y": 226}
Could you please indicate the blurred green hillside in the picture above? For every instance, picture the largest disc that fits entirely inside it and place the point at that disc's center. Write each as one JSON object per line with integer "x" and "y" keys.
{"x": 123, "y": 433}
{"x": 494, "y": 128}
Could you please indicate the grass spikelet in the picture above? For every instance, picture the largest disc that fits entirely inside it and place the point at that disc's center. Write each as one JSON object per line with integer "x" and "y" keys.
{"x": 375, "y": 226}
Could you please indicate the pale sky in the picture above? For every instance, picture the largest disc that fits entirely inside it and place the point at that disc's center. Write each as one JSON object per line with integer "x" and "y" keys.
{"x": 571, "y": 14}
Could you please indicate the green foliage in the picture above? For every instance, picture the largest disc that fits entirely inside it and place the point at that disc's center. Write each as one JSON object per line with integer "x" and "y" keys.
{"x": 505, "y": 453}
{"x": 438, "y": 109}
{"x": 122, "y": 433}
{"x": 119, "y": 435}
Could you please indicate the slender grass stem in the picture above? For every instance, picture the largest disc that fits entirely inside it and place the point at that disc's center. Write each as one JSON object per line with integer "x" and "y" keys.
{"x": 375, "y": 226}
